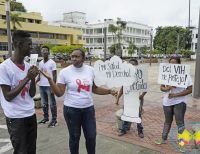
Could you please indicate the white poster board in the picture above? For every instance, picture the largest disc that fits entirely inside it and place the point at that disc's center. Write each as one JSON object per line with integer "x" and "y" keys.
{"x": 33, "y": 59}
{"x": 174, "y": 74}
{"x": 132, "y": 93}
{"x": 115, "y": 73}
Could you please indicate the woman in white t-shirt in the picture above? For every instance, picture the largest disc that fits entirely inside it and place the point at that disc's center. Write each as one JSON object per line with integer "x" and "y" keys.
{"x": 174, "y": 104}
{"x": 77, "y": 80}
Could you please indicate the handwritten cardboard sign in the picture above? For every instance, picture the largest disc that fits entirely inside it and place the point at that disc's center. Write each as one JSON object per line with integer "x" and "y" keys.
{"x": 141, "y": 82}
{"x": 174, "y": 74}
{"x": 114, "y": 73}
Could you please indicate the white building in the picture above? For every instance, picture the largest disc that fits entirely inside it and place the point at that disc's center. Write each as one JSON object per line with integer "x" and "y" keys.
{"x": 93, "y": 34}
{"x": 194, "y": 39}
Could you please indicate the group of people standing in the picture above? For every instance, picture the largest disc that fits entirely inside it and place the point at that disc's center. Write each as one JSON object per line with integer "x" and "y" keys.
{"x": 18, "y": 87}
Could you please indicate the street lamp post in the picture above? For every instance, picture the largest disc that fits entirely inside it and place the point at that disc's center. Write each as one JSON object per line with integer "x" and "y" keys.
{"x": 189, "y": 16}
{"x": 151, "y": 46}
{"x": 196, "y": 93}
{"x": 8, "y": 27}
{"x": 105, "y": 42}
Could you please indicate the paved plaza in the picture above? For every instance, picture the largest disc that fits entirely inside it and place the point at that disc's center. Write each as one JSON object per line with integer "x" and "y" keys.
{"x": 55, "y": 140}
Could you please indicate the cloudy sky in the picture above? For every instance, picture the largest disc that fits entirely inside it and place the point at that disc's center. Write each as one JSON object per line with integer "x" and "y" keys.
{"x": 151, "y": 12}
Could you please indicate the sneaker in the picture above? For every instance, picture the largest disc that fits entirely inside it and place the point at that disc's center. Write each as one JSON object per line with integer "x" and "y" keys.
{"x": 141, "y": 135}
{"x": 160, "y": 141}
{"x": 121, "y": 133}
{"x": 52, "y": 124}
{"x": 182, "y": 149}
{"x": 43, "y": 121}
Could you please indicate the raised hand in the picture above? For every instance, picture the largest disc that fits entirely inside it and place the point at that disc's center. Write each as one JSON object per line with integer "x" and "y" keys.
{"x": 45, "y": 75}
{"x": 32, "y": 72}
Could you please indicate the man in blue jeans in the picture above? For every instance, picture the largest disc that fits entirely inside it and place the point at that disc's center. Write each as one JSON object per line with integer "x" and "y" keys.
{"x": 47, "y": 97}
{"x": 126, "y": 124}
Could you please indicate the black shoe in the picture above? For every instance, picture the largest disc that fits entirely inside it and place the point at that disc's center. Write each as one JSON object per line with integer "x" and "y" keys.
{"x": 52, "y": 124}
{"x": 141, "y": 134}
{"x": 43, "y": 121}
{"x": 121, "y": 133}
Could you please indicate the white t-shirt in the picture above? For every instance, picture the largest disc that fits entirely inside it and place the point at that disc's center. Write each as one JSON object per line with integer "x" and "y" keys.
{"x": 22, "y": 105}
{"x": 176, "y": 100}
{"x": 47, "y": 67}
{"x": 78, "y": 83}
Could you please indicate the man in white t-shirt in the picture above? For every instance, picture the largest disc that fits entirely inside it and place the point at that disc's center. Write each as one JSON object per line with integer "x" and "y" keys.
{"x": 17, "y": 81}
{"x": 47, "y": 96}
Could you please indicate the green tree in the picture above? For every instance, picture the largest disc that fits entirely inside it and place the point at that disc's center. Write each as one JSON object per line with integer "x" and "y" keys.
{"x": 131, "y": 48}
{"x": 117, "y": 31}
{"x": 65, "y": 49}
{"x": 16, "y": 6}
{"x": 15, "y": 20}
{"x": 187, "y": 53}
{"x": 166, "y": 39}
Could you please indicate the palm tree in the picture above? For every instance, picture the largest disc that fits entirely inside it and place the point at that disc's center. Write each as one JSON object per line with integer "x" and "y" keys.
{"x": 121, "y": 26}
{"x": 113, "y": 29}
{"x": 15, "y": 20}
{"x": 131, "y": 48}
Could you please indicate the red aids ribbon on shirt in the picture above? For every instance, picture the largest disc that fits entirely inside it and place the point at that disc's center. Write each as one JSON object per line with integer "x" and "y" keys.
{"x": 81, "y": 86}
{"x": 24, "y": 90}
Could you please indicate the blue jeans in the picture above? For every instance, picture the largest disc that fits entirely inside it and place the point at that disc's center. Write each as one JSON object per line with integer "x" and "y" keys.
{"x": 178, "y": 111}
{"x": 77, "y": 118}
{"x": 125, "y": 124}
{"x": 47, "y": 97}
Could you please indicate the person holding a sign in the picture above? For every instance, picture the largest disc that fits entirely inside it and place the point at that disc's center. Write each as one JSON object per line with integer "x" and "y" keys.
{"x": 47, "y": 96}
{"x": 78, "y": 82}
{"x": 17, "y": 81}
{"x": 126, "y": 124}
{"x": 174, "y": 104}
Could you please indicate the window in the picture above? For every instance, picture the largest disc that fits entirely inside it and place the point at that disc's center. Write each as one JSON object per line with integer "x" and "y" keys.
{"x": 33, "y": 34}
{"x": 3, "y": 46}
{"x": 60, "y": 36}
{"x": 87, "y": 31}
{"x": 91, "y": 40}
{"x": 38, "y": 21}
{"x": 79, "y": 37}
{"x": 196, "y": 35}
{"x": 98, "y": 40}
{"x": 98, "y": 31}
{"x": 195, "y": 46}
{"x": 30, "y": 20}
{"x": 46, "y": 35}
{"x": 87, "y": 40}
{"x": 138, "y": 40}
{"x": 3, "y": 17}
{"x": 3, "y": 32}
{"x": 138, "y": 31}
{"x": 22, "y": 19}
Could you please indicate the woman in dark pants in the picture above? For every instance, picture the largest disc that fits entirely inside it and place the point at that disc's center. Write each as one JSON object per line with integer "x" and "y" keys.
{"x": 78, "y": 103}
{"x": 174, "y": 104}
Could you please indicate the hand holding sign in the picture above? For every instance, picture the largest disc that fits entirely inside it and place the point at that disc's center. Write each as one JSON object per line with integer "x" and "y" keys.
{"x": 173, "y": 74}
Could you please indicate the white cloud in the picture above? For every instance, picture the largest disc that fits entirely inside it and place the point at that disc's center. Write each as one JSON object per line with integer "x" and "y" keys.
{"x": 152, "y": 12}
